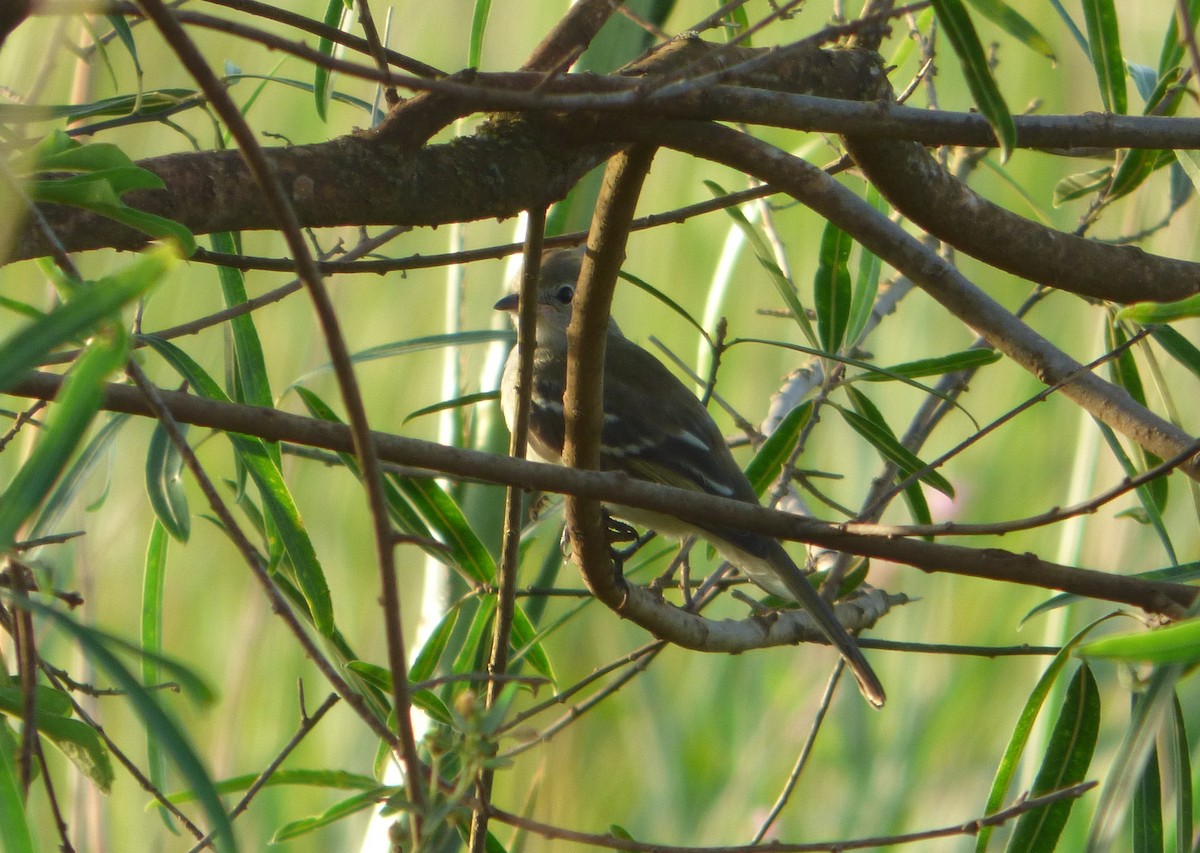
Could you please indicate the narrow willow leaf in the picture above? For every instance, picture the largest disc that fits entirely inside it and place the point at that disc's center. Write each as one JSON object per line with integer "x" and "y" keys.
{"x": 338, "y": 780}
{"x": 1181, "y": 777}
{"x": 333, "y": 814}
{"x": 971, "y": 359}
{"x": 1010, "y": 761}
{"x": 1161, "y": 312}
{"x": 1125, "y": 775}
{"x": 276, "y": 498}
{"x": 148, "y": 104}
{"x": 1065, "y": 763}
{"x": 868, "y": 422}
{"x": 1183, "y": 573}
{"x": 164, "y": 484}
{"x": 425, "y": 664}
{"x": 15, "y": 833}
{"x": 768, "y": 462}
{"x": 1144, "y": 78}
{"x": 253, "y": 385}
{"x": 479, "y": 19}
{"x": 1145, "y": 810}
{"x": 470, "y": 653}
{"x": 1178, "y": 347}
{"x": 82, "y": 746}
{"x": 831, "y": 287}
{"x": 335, "y": 96}
{"x": 1172, "y": 47}
{"x": 403, "y": 514}
{"x": 1081, "y": 184}
{"x": 71, "y": 415}
{"x": 1016, "y": 25}
{"x": 1124, "y": 371}
{"x": 102, "y": 174}
{"x": 49, "y": 701}
{"x": 76, "y": 740}
{"x": 678, "y": 309}
{"x": 1178, "y": 643}
{"x": 762, "y": 252}
{"x": 323, "y": 76}
{"x": 74, "y": 478}
{"x": 78, "y": 316}
{"x": 456, "y": 403}
{"x": 174, "y": 742}
{"x": 866, "y": 283}
{"x": 1146, "y": 498}
{"x": 125, "y": 33}
{"x": 153, "y": 584}
{"x": 1138, "y": 164}
{"x": 961, "y": 32}
{"x": 430, "y": 342}
{"x": 1104, "y": 43}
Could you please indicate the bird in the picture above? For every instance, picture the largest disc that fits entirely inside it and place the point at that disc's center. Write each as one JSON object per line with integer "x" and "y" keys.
{"x": 655, "y": 429}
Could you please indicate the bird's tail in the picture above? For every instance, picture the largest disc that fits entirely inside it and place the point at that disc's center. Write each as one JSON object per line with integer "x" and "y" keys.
{"x": 822, "y": 613}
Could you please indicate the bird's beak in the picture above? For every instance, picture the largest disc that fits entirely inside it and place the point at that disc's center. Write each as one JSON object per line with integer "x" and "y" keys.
{"x": 508, "y": 303}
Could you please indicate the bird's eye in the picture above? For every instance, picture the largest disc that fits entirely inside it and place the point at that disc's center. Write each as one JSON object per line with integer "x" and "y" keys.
{"x": 564, "y": 294}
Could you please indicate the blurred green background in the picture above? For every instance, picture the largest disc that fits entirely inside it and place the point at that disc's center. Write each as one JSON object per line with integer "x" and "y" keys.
{"x": 695, "y": 750}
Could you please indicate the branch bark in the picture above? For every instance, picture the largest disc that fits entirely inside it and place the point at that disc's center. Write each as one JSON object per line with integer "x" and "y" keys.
{"x": 995, "y": 564}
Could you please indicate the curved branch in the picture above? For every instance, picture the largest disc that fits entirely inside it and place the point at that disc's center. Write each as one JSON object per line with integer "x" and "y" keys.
{"x": 1109, "y": 403}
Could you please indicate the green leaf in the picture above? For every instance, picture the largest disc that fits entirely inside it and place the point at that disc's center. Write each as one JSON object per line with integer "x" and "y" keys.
{"x": 768, "y": 462}
{"x": 1182, "y": 573}
{"x": 1178, "y": 347}
{"x": 1161, "y": 312}
{"x": 173, "y": 740}
{"x": 971, "y": 359}
{"x": 1171, "y": 54}
{"x": 1010, "y": 761}
{"x": 1013, "y": 23}
{"x": 678, "y": 309}
{"x": 276, "y": 498}
{"x": 1082, "y": 184}
{"x": 1180, "y": 763}
{"x": 1065, "y": 763}
{"x": 253, "y": 387}
{"x": 75, "y": 477}
{"x": 1146, "y": 808}
{"x": 866, "y": 284}
{"x": 1178, "y": 643}
{"x": 1125, "y": 373}
{"x": 406, "y": 518}
{"x": 338, "y": 780}
{"x": 425, "y": 664}
{"x": 762, "y": 252}
{"x": 479, "y": 19}
{"x": 868, "y": 422}
{"x": 15, "y": 833}
{"x": 961, "y": 32}
{"x": 1104, "y": 43}
{"x": 69, "y": 419}
{"x": 414, "y": 345}
{"x": 333, "y": 814}
{"x": 831, "y": 287}
{"x": 153, "y": 585}
{"x": 456, "y": 403}
{"x": 76, "y": 740}
{"x": 323, "y": 76}
{"x": 93, "y": 305}
{"x": 164, "y": 484}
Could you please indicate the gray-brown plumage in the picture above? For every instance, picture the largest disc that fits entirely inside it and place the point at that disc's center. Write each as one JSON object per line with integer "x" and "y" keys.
{"x": 656, "y": 430}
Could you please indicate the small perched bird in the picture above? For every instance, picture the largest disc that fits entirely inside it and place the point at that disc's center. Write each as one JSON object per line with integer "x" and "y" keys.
{"x": 656, "y": 430}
